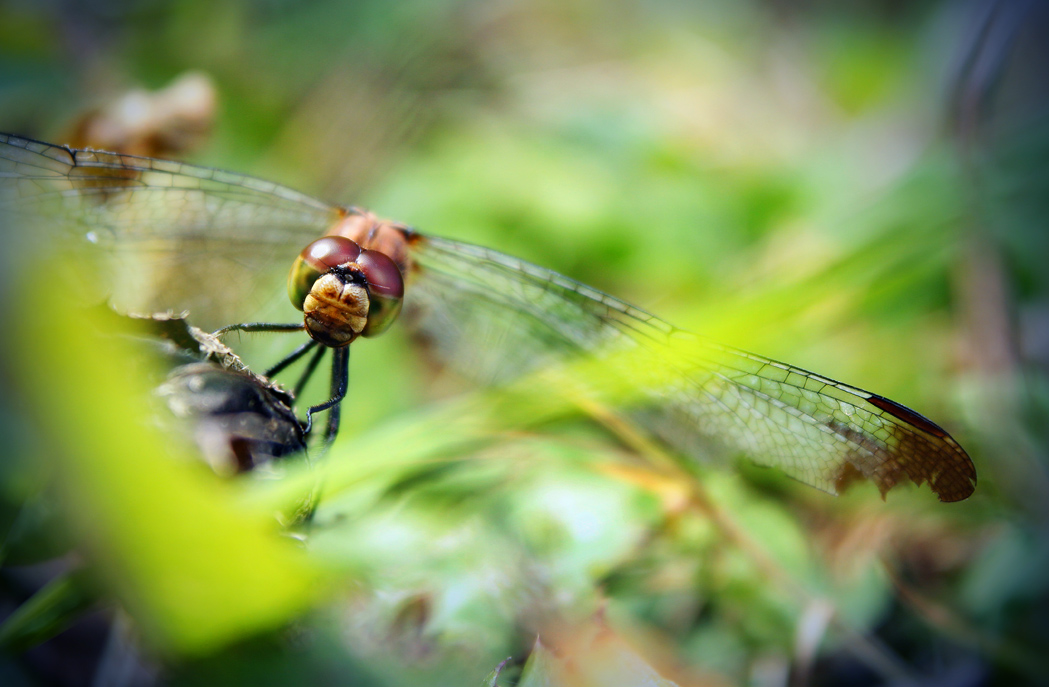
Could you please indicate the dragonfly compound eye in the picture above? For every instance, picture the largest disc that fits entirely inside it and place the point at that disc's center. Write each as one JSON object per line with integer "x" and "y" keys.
{"x": 385, "y": 288}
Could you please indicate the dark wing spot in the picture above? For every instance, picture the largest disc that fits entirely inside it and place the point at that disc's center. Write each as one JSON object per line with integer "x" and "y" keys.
{"x": 870, "y": 460}
{"x": 847, "y": 475}
{"x": 919, "y": 449}
{"x": 907, "y": 415}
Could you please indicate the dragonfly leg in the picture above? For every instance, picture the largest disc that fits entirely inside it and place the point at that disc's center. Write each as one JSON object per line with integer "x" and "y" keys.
{"x": 307, "y": 374}
{"x": 340, "y": 383}
{"x": 340, "y": 378}
{"x": 260, "y": 327}
{"x": 290, "y": 358}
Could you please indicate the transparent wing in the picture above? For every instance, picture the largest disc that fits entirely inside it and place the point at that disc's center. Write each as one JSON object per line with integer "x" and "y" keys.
{"x": 496, "y": 317}
{"x": 160, "y": 234}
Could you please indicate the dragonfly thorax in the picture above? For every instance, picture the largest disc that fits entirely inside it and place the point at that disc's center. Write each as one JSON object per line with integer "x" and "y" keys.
{"x": 344, "y": 291}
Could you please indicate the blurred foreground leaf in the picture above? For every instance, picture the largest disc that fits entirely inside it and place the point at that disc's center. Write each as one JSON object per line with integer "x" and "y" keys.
{"x": 161, "y": 530}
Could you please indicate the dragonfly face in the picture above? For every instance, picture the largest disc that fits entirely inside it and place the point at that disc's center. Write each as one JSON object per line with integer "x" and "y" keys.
{"x": 344, "y": 291}
{"x": 168, "y": 235}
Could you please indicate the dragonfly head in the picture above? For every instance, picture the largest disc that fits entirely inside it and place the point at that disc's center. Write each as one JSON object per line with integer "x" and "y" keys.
{"x": 344, "y": 291}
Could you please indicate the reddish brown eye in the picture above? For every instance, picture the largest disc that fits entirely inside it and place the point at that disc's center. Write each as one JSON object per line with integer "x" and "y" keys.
{"x": 316, "y": 259}
{"x": 386, "y": 287}
{"x": 382, "y": 274}
{"x": 330, "y": 251}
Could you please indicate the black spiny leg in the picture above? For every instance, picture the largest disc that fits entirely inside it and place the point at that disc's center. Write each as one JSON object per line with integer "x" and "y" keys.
{"x": 340, "y": 382}
{"x": 260, "y": 327}
{"x": 340, "y": 379}
{"x": 307, "y": 374}
{"x": 290, "y": 358}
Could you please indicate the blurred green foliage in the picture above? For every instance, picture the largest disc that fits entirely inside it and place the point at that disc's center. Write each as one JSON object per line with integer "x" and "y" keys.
{"x": 802, "y": 182}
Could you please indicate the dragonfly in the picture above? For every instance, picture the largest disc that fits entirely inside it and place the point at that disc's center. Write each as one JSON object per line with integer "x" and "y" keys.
{"x": 172, "y": 235}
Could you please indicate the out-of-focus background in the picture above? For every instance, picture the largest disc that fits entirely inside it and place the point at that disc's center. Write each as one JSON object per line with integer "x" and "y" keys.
{"x": 859, "y": 190}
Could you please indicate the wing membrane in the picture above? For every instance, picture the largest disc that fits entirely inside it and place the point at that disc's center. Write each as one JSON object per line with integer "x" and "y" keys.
{"x": 163, "y": 234}
{"x": 496, "y": 317}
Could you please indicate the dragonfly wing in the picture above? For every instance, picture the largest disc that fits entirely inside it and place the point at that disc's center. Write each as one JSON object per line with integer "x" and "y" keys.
{"x": 160, "y": 234}
{"x": 495, "y": 317}
{"x": 498, "y": 317}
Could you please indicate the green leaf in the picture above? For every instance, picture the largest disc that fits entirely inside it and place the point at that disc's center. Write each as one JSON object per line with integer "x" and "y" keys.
{"x": 164, "y": 533}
